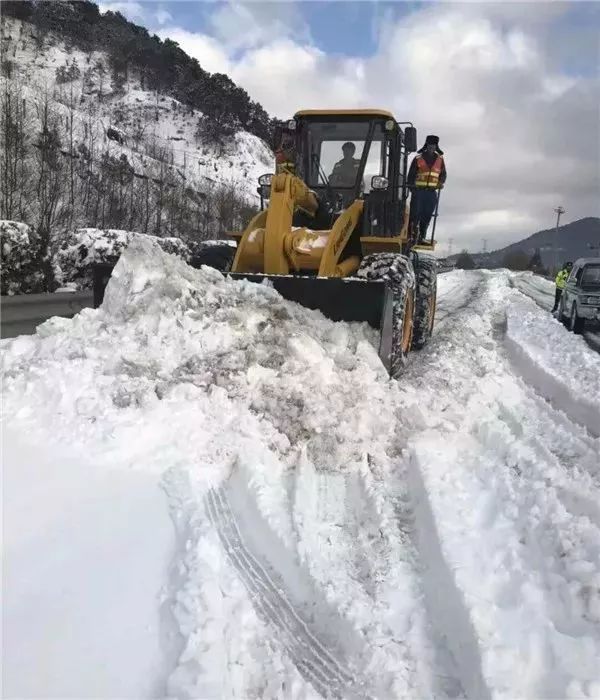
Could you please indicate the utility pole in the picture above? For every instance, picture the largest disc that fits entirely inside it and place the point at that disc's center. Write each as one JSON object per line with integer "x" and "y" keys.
{"x": 559, "y": 212}
{"x": 484, "y": 246}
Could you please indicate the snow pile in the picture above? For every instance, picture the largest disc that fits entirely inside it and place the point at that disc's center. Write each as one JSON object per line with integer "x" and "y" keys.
{"x": 559, "y": 361}
{"x": 540, "y": 289}
{"x": 335, "y": 534}
{"x": 241, "y": 402}
{"x": 19, "y": 246}
{"x": 87, "y": 246}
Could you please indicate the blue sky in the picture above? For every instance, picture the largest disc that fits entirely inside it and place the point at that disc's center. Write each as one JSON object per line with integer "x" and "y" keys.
{"x": 348, "y": 28}
{"x": 511, "y": 88}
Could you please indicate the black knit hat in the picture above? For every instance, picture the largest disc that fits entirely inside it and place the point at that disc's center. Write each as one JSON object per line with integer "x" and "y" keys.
{"x": 435, "y": 140}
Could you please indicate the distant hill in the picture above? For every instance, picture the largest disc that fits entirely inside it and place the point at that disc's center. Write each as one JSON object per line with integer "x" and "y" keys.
{"x": 575, "y": 240}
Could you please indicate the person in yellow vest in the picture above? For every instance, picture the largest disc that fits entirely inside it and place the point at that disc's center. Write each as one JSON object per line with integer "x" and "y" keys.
{"x": 426, "y": 175}
{"x": 561, "y": 281}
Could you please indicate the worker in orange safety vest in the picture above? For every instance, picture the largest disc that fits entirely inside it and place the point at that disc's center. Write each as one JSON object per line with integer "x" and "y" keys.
{"x": 426, "y": 175}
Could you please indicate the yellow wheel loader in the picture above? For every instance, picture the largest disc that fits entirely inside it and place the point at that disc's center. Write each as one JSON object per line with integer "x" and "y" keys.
{"x": 333, "y": 232}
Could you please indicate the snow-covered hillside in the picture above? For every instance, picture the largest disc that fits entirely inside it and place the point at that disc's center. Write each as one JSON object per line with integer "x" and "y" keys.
{"x": 156, "y": 128}
{"x": 211, "y": 492}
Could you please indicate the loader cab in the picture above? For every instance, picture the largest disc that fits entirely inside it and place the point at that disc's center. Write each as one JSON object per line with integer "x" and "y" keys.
{"x": 348, "y": 155}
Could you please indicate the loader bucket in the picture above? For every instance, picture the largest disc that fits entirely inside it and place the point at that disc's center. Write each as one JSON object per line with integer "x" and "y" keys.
{"x": 338, "y": 298}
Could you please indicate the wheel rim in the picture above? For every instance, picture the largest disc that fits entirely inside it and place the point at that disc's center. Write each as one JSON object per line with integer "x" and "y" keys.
{"x": 407, "y": 323}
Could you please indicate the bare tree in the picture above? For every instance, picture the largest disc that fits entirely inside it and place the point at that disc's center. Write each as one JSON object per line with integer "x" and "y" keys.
{"x": 14, "y": 142}
{"x": 49, "y": 186}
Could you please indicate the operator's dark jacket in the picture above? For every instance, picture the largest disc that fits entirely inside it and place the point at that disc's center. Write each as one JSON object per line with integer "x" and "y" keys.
{"x": 429, "y": 158}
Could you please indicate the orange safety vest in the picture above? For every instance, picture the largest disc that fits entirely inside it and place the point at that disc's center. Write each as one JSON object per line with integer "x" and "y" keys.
{"x": 428, "y": 177}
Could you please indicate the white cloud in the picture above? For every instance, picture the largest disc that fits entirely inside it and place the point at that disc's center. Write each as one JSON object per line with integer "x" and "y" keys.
{"x": 520, "y": 133}
{"x": 210, "y": 52}
{"x": 162, "y": 16}
{"x": 247, "y": 25}
{"x": 133, "y": 11}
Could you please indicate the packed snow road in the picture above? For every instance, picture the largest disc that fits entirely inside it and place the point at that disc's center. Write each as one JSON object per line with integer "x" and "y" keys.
{"x": 541, "y": 291}
{"x": 332, "y": 533}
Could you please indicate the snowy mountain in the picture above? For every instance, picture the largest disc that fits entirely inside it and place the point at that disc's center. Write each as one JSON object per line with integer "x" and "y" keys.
{"x": 90, "y": 142}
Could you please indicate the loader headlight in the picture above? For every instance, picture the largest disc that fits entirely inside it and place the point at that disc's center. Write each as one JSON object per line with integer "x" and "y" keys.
{"x": 265, "y": 180}
{"x": 291, "y": 125}
{"x": 378, "y": 182}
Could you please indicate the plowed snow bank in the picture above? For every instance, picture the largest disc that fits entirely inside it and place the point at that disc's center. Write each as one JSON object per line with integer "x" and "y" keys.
{"x": 560, "y": 364}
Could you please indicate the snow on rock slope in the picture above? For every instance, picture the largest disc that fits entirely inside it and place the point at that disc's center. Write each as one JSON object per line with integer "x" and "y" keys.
{"x": 158, "y": 129}
{"x": 336, "y": 534}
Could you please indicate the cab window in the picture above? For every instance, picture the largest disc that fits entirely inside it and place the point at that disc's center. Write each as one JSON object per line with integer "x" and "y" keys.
{"x": 590, "y": 277}
{"x": 325, "y": 142}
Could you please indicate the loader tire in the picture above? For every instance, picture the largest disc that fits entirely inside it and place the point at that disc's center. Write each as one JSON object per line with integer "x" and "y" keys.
{"x": 396, "y": 336}
{"x": 218, "y": 256}
{"x": 426, "y": 295}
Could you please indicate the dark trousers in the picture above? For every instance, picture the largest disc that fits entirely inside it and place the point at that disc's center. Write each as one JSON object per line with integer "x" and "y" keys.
{"x": 557, "y": 296}
{"x": 422, "y": 206}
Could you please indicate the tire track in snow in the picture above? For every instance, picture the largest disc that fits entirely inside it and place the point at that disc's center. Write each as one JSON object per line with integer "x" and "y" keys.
{"x": 579, "y": 409}
{"x": 448, "y": 303}
{"x": 555, "y": 547}
{"x": 314, "y": 661}
{"x": 492, "y": 456}
{"x": 566, "y": 444}
{"x": 353, "y": 529}
{"x": 444, "y": 600}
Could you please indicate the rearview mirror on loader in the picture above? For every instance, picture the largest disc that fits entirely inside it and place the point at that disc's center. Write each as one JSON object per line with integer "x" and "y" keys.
{"x": 410, "y": 139}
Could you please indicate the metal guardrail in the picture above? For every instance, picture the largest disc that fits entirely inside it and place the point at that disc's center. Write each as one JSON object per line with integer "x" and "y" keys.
{"x": 23, "y": 313}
